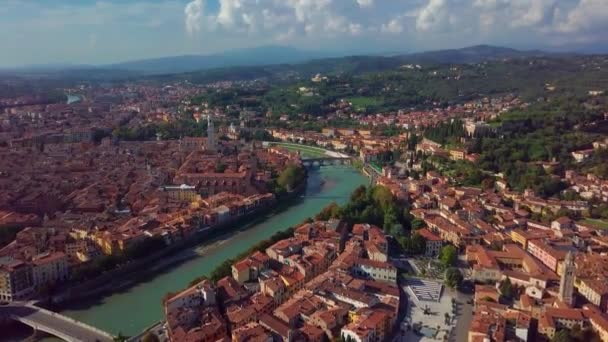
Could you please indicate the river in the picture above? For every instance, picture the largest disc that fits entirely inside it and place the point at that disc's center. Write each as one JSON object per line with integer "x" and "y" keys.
{"x": 71, "y": 98}
{"x": 137, "y": 307}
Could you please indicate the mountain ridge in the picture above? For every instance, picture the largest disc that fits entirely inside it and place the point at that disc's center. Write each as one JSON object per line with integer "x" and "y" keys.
{"x": 275, "y": 54}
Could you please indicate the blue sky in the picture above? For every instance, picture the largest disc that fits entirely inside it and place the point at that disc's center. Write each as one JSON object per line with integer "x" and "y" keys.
{"x": 98, "y": 32}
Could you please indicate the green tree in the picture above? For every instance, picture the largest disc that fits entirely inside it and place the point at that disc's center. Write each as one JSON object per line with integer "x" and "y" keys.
{"x": 417, "y": 223}
{"x": 506, "y": 288}
{"x": 561, "y": 336}
{"x": 448, "y": 256}
{"x": 150, "y": 337}
{"x": 418, "y": 244}
{"x": 383, "y": 197}
{"x": 290, "y": 177}
{"x": 333, "y": 210}
{"x": 220, "y": 168}
{"x": 577, "y": 333}
{"x": 453, "y": 277}
{"x": 390, "y": 219}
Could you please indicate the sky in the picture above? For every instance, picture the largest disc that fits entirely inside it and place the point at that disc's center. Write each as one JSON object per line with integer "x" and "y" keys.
{"x": 36, "y": 32}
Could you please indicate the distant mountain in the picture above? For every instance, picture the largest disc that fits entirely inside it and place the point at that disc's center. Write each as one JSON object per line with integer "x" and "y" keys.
{"x": 272, "y": 55}
{"x": 40, "y": 68}
{"x": 472, "y": 54}
{"x": 269, "y": 61}
{"x": 265, "y": 55}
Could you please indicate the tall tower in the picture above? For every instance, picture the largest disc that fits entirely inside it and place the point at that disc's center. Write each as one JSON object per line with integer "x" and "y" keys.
{"x": 211, "y": 145}
{"x": 566, "y": 284}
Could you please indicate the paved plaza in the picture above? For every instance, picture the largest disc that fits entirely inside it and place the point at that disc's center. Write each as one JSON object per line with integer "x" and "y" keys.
{"x": 428, "y": 305}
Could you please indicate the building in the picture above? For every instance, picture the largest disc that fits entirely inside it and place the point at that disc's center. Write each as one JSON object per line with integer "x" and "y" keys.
{"x": 566, "y": 284}
{"x": 50, "y": 268}
{"x": 250, "y": 268}
{"x": 580, "y": 156}
{"x": 546, "y": 253}
{"x": 555, "y": 319}
{"x": 181, "y": 193}
{"x": 457, "y": 154}
{"x": 487, "y": 326}
{"x": 198, "y": 295}
{"x": 16, "y": 281}
{"x": 376, "y": 270}
{"x": 433, "y": 242}
{"x": 251, "y": 332}
{"x": 595, "y": 291}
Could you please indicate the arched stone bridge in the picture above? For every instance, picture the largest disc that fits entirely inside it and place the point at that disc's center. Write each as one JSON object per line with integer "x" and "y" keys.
{"x": 53, "y": 323}
{"x": 326, "y": 161}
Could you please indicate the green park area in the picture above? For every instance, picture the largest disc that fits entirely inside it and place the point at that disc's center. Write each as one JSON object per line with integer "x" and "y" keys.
{"x": 305, "y": 151}
{"x": 363, "y": 102}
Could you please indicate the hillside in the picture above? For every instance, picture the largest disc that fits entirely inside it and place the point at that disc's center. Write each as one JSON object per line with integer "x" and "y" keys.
{"x": 326, "y": 60}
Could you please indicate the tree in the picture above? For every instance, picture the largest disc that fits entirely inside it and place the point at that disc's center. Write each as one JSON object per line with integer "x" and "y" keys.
{"x": 561, "y": 336}
{"x": 453, "y": 277}
{"x": 220, "y": 168}
{"x": 417, "y": 223}
{"x": 290, "y": 177}
{"x": 487, "y": 183}
{"x": 448, "y": 256}
{"x": 390, "y": 219}
{"x": 333, "y": 210}
{"x": 382, "y": 197}
{"x": 577, "y": 333}
{"x": 418, "y": 243}
{"x": 150, "y": 337}
{"x": 506, "y": 288}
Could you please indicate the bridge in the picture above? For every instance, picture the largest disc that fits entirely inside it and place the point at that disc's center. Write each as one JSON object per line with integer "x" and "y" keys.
{"x": 326, "y": 161}
{"x": 53, "y": 323}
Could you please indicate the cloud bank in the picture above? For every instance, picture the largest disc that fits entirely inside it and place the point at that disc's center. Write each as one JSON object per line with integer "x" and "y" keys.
{"x": 553, "y": 22}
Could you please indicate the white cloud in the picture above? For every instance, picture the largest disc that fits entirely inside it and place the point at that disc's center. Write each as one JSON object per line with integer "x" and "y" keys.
{"x": 532, "y": 13}
{"x": 282, "y": 18}
{"x": 194, "y": 14}
{"x": 393, "y": 26}
{"x": 455, "y": 22}
{"x": 434, "y": 16}
{"x": 588, "y": 15}
{"x": 365, "y": 3}
{"x": 113, "y": 30}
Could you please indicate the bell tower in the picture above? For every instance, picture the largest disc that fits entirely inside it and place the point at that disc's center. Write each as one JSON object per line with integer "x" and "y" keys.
{"x": 211, "y": 144}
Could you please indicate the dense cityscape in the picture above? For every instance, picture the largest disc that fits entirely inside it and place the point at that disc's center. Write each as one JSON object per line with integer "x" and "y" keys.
{"x": 275, "y": 194}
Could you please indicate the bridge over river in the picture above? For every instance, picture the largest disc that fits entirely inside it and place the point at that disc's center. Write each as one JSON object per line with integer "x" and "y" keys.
{"x": 326, "y": 161}
{"x": 53, "y": 323}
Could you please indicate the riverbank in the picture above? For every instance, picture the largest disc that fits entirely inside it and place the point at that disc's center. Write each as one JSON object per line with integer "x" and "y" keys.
{"x": 131, "y": 272}
{"x": 115, "y": 312}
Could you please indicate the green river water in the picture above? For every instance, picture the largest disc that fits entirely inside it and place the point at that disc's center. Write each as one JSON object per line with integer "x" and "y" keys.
{"x": 135, "y": 308}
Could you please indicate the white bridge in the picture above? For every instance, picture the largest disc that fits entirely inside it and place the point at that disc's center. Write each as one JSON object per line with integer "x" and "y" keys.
{"x": 53, "y": 323}
{"x": 326, "y": 161}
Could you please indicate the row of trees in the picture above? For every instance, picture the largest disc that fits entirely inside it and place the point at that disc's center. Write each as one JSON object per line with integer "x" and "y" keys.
{"x": 225, "y": 268}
